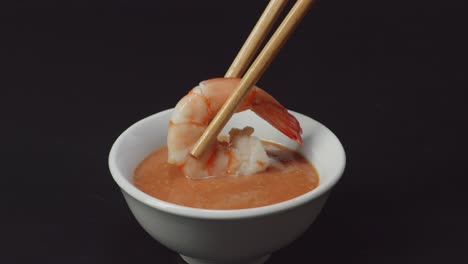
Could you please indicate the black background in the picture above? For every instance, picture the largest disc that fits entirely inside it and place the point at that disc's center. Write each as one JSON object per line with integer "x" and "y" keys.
{"x": 389, "y": 78}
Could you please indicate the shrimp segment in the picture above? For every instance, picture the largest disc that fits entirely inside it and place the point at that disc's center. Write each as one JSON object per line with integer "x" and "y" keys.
{"x": 240, "y": 153}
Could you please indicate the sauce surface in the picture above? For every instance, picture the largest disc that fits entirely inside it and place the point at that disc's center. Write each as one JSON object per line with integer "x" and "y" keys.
{"x": 289, "y": 175}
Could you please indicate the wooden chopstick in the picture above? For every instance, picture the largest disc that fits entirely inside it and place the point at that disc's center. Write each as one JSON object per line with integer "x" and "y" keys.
{"x": 254, "y": 73}
{"x": 256, "y": 37}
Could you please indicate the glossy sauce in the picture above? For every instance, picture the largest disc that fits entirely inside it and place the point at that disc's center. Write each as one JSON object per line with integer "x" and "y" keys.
{"x": 288, "y": 176}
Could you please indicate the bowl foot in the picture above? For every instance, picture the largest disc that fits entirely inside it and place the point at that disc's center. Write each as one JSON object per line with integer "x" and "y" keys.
{"x": 190, "y": 260}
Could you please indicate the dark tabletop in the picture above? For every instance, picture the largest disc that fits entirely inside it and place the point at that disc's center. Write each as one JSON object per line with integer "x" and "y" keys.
{"x": 389, "y": 78}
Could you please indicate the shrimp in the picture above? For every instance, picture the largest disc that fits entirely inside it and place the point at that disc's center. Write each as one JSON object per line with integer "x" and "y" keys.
{"x": 239, "y": 153}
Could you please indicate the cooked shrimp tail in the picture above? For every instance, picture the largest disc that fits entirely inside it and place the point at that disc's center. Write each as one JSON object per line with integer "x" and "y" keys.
{"x": 277, "y": 115}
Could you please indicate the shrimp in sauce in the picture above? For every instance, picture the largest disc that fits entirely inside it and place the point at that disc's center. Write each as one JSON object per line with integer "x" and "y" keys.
{"x": 238, "y": 154}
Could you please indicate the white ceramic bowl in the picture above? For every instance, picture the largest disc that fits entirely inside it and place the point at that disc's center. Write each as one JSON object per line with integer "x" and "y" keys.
{"x": 226, "y": 236}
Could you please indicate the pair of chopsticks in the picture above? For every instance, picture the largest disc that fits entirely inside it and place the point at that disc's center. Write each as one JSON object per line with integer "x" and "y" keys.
{"x": 258, "y": 67}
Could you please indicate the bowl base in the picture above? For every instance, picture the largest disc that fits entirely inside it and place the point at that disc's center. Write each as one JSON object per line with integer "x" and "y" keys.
{"x": 190, "y": 260}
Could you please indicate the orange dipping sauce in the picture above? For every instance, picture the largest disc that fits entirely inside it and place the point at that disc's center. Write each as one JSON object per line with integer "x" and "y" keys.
{"x": 289, "y": 175}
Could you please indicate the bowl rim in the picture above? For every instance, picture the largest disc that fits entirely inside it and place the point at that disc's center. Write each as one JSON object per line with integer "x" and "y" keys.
{"x": 218, "y": 214}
